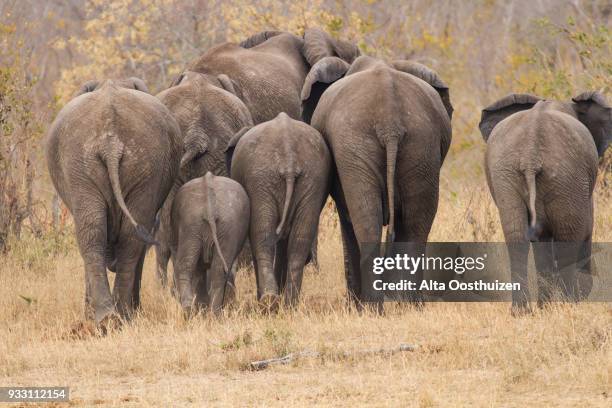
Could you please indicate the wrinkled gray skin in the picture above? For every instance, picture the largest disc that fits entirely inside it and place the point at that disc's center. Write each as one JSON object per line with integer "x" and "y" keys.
{"x": 284, "y": 166}
{"x": 208, "y": 117}
{"x": 210, "y": 219}
{"x": 541, "y": 166}
{"x": 388, "y": 127}
{"x": 113, "y": 153}
{"x": 267, "y": 70}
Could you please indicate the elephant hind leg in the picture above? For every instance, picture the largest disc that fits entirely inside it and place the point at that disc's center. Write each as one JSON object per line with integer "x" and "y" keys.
{"x": 200, "y": 277}
{"x": 91, "y": 233}
{"x": 366, "y": 218}
{"x": 571, "y": 230}
{"x": 263, "y": 243}
{"x": 130, "y": 257}
{"x": 300, "y": 240}
{"x": 350, "y": 247}
{"x": 138, "y": 281}
{"x": 545, "y": 265}
{"x": 186, "y": 261}
{"x": 313, "y": 255}
{"x": 513, "y": 217}
{"x": 280, "y": 263}
{"x": 414, "y": 218}
{"x": 162, "y": 258}
{"x": 574, "y": 284}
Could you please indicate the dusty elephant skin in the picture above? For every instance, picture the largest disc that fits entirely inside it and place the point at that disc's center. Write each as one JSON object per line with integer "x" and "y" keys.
{"x": 388, "y": 127}
{"x": 113, "y": 153}
{"x": 208, "y": 117}
{"x": 210, "y": 220}
{"x": 284, "y": 167}
{"x": 267, "y": 70}
{"x": 541, "y": 166}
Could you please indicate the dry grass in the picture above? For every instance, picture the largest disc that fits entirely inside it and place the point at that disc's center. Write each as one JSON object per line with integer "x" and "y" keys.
{"x": 468, "y": 355}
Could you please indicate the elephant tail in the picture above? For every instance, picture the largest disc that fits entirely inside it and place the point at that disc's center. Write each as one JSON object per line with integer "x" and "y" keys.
{"x": 289, "y": 186}
{"x": 533, "y": 230}
{"x": 111, "y": 155}
{"x": 391, "y": 159}
{"x": 210, "y": 210}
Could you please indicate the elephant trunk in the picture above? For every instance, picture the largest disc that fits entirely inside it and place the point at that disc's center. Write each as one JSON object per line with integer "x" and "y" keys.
{"x": 111, "y": 155}
{"x": 391, "y": 158}
{"x": 289, "y": 185}
{"x": 210, "y": 203}
{"x": 533, "y": 232}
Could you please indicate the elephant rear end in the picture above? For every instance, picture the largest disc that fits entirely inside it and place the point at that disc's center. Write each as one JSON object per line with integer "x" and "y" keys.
{"x": 113, "y": 155}
{"x": 210, "y": 218}
{"x": 388, "y": 131}
{"x": 541, "y": 166}
{"x": 284, "y": 166}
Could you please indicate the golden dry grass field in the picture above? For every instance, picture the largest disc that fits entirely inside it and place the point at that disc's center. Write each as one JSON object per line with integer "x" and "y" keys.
{"x": 467, "y": 354}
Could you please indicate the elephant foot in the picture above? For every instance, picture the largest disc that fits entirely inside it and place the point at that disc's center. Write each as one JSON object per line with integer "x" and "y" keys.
{"x": 269, "y": 303}
{"x": 189, "y": 312}
{"x": 89, "y": 311}
{"x": 82, "y": 330}
{"x": 110, "y": 323}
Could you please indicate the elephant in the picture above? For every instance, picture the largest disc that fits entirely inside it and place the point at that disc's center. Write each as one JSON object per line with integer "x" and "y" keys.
{"x": 267, "y": 70}
{"x": 541, "y": 166}
{"x": 388, "y": 127}
{"x": 113, "y": 153}
{"x": 208, "y": 117}
{"x": 210, "y": 220}
{"x": 284, "y": 166}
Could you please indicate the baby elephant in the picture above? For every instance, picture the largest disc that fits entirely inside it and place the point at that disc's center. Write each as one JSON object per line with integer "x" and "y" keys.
{"x": 210, "y": 218}
{"x": 284, "y": 166}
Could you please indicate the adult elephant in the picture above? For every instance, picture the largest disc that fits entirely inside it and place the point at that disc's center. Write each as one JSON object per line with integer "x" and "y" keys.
{"x": 388, "y": 127}
{"x": 208, "y": 117}
{"x": 267, "y": 71}
{"x": 541, "y": 166}
{"x": 113, "y": 154}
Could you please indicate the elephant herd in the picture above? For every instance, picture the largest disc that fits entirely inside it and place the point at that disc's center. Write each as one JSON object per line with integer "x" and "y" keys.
{"x": 248, "y": 142}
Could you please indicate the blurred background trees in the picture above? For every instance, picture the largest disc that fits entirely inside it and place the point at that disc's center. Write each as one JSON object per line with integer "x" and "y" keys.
{"x": 483, "y": 49}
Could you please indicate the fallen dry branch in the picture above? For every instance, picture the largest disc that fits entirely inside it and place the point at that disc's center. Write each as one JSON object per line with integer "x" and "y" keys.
{"x": 263, "y": 364}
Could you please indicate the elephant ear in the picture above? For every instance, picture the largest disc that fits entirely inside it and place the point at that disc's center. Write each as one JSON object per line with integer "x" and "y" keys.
{"x": 178, "y": 79}
{"x": 231, "y": 146}
{"x": 318, "y": 45}
{"x": 195, "y": 145}
{"x": 229, "y": 85}
{"x": 430, "y": 76}
{"x": 595, "y": 113}
{"x": 88, "y": 86}
{"x": 259, "y": 38}
{"x": 500, "y": 110}
{"x": 137, "y": 84}
{"x": 325, "y": 72}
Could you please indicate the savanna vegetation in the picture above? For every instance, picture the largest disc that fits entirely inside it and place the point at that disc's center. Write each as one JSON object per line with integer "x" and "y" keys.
{"x": 468, "y": 354}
